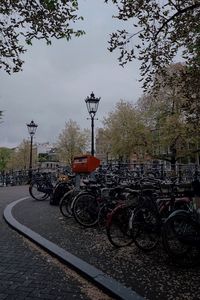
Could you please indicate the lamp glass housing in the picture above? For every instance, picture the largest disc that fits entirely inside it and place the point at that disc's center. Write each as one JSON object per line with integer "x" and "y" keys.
{"x": 32, "y": 128}
{"x": 92, "y": 104}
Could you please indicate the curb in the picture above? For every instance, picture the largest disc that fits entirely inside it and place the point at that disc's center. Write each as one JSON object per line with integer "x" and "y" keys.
{"x": 108, "y": 284}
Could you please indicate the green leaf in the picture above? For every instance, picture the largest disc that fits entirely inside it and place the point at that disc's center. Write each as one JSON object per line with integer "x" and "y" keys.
{"x": 29, "y": 42}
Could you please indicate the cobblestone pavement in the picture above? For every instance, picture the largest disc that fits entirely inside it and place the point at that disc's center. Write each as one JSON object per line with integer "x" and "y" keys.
{"x": 27, "y": 272}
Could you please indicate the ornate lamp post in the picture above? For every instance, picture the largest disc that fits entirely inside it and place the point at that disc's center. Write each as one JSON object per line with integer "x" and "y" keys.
{"x": 92, "y": 104}
{"x": 31, "y": 129}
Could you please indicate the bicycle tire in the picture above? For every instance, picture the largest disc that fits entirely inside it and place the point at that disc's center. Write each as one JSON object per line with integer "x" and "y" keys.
{"x": 117, "y": 229}
{"x": 36, "y": 192}
{"x": 65, "y": 204}
{"x": 85, "y": 208}
{"x": 176, "y": 232}
{"x": 145, "y": 229}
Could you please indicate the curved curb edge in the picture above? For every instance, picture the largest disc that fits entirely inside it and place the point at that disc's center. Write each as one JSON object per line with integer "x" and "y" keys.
{"x": 108, "y": 284}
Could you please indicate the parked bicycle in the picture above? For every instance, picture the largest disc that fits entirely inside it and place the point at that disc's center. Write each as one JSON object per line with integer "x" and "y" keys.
{"x": 41, "y": 186}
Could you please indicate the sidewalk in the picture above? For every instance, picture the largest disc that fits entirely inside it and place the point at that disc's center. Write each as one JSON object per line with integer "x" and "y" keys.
{"x": 27, "y": 272}
{"x": 149, "y": 275}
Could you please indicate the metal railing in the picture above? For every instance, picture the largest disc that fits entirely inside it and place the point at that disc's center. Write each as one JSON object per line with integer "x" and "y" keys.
{"x": 184, "y": 173}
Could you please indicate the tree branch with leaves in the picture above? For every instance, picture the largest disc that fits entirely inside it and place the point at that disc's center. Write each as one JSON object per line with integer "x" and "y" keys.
{"x": 23, "y": 20}
{"x": 162, "y": 31}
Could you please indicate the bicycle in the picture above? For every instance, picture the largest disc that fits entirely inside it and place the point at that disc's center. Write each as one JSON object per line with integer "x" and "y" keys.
{"x": 181, "y": 232}
{"x": 41, "y": 187}
{"x": 147, "y": 221}
{"x": 88, "y": 203}
{"x": 119, "y": 225}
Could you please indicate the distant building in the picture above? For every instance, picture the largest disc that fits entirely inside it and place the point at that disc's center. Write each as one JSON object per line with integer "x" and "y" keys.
{"x": 47, "y": 156}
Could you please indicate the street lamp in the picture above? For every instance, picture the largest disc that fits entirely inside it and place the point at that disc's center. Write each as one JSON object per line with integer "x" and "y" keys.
{"x": 31, "y": 129}
{"x": 92, "y": 106}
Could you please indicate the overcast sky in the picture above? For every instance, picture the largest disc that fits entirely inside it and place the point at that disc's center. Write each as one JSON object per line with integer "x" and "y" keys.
{"x": 56, "y": 79}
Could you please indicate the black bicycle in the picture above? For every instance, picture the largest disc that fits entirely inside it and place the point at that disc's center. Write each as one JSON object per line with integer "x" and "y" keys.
{"x": 41, "y": 187}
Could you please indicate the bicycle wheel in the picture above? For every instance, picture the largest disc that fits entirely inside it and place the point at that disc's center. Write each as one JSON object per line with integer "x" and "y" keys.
{"x": 117, "y": 229}
{"x": 38, "y": 191}
{"x": 66, "y": 202}
{"x": 181, "y": 237}
{"x": 145, "y": 228}
{"x": 85, "y": 208}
